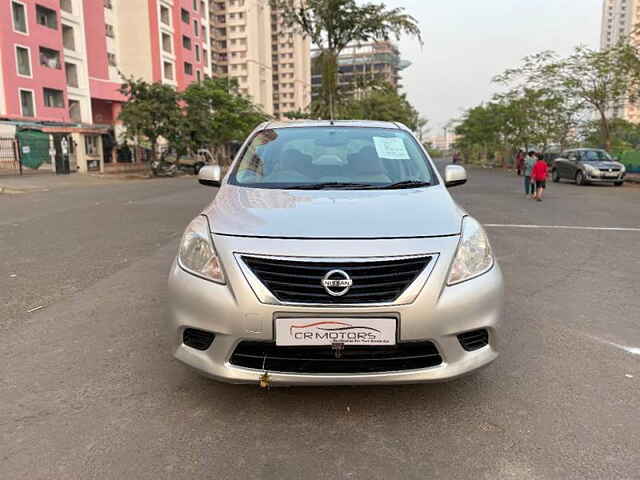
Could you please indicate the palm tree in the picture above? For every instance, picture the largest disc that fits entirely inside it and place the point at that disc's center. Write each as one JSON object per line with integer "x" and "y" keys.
{"x": 333, "y": 24}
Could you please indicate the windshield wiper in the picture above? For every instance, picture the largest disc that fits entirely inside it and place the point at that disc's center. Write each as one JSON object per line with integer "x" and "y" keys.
{"x": 328, "y": 185}
{"x": 404, "y": 184}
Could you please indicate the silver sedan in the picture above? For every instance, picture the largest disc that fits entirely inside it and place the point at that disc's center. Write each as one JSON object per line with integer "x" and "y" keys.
{"x": 333, "y": 253}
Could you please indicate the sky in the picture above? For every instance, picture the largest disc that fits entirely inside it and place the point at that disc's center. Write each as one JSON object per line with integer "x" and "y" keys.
{"x": 468, "y": 42}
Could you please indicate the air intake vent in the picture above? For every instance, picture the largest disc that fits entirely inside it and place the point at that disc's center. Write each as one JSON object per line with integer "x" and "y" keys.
{"x": 353, "y": 359}
{"x": 198, "y": 339}
{"x": 380, "y": 281}
{"x": 474, "y": 340}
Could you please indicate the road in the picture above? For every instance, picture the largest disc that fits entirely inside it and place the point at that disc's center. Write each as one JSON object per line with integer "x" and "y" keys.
{"x": 89, "y": 389}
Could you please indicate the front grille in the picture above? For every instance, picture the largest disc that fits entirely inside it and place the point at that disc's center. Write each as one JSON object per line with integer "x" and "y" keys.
{"x": 198, "y": 339}
{"x": 373, "y": 281}
{"x": 609, "y": 170}
{"x": 354, "y": 359}
{"x": 474, "y": 340}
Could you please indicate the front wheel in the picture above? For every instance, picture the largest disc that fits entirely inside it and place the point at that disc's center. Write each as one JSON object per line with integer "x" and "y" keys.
{"x": 197, "y": 167}
{"x": 555, "y": 176}
{"x": 580, "y": 180}
{"x": 618, "y": 184}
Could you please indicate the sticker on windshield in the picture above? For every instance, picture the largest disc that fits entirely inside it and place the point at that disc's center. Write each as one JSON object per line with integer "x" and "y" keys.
{"x": 391, "y": 148}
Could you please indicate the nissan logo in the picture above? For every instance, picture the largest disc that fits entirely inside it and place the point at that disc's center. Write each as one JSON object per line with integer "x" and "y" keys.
{"x": 336, "y": 283}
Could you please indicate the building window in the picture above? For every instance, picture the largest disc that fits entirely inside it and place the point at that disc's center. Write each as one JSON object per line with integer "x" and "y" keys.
{"x": 202, "y": 7}
{"x": 188, "y": 68}
{"x": 109, "y": 30}
{"x": 198, "y": 75}
{"x": 196, "y": 28}
{"x": 91, "y": 145}
{"x": 26, "y": 103}
{"x": 186, "y": 42}
{"x": 49, "y": 58}
{"x": 165, "y": 15}
{"x": 74, "y": 111}
{"x": 53, "y": 98}
{"x": 167, "y": 68}
{"x": 167, "y": 43}
{"x": 46, "y": 17}
{"x": 19, "y": 12}
{"x": 71, "y": 71}
{"x": 197, "y": 53}
{"x": 108, "y": 4}
{"x": 185, "y": 16}
{"x": 23, "y": 59}
{"x": 66, "y": 5}
{"x": 68, "y": 39}
{"x": 111, "y": 59}
{"x": 195, "y": 5}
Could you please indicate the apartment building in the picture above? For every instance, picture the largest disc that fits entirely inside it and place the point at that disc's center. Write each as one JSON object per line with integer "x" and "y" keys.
{"x": 61, "y": 62}
{"x": 619, "y": 21}
{"x": 62, "y": 59}
{"x": 251, "y": 43}
{"x": 359, "y": 63}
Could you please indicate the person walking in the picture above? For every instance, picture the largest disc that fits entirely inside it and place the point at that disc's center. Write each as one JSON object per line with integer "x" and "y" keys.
{"x": 539, "y": 174}
{"x": 519, "y": 162}
{"x": 529, "y": 186}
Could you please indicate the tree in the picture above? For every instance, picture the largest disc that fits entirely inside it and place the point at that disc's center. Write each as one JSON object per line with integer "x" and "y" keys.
{"x": 332, "y": 25}
{"x": 151, "y": 111}
{"x": 601, "y": 80}
{"x": 214, "y": 114}
{"x": 421, "y": 127}
{"x": 381, "y": 103}
{"x": 624, "y": 135}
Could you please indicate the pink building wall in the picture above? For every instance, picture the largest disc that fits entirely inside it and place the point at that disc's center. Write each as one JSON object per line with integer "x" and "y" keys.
{"x": 95, "y": 34}
{"x": 155, "y": 40}
{"x": 41, "y": 76}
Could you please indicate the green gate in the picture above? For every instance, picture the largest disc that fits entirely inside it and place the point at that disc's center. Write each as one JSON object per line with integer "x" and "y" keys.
{"x": 34, "y": 148}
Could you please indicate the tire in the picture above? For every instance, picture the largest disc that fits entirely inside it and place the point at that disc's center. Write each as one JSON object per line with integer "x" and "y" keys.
{"x": 197, "y": 167}
{"x": 618, "y": 184}
{"x": 580, "y": 180}
{"x": 555, "y": 176}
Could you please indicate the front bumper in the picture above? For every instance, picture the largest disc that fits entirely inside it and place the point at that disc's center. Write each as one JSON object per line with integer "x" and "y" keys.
{"x": 601, "y": 179}
{"x": 234, "y": 313}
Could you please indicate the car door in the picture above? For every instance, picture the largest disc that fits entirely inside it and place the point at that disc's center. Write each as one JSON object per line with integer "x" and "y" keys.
{"x": 572, "y": 165}
{"x": 561, "y": 164}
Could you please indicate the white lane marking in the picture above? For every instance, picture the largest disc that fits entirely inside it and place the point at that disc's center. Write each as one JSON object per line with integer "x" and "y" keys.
{"x": 631, "y": 350}
{"x": 564, "y": 227}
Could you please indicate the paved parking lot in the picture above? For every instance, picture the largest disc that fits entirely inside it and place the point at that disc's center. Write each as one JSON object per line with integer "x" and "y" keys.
{"x": 89, "y": 389}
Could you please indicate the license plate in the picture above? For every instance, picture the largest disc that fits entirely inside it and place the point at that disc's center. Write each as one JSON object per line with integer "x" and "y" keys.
{"x": 329, "y": 331}
{"x": 611, "y": 175}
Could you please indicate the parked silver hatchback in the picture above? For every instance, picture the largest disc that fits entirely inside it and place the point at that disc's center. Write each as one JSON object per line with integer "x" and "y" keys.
{"x": 334, "y": 254}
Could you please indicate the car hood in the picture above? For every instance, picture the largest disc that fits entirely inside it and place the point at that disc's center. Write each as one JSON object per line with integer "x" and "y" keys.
{"x": 604, "y": 164}
{"x": 255, "y": 212}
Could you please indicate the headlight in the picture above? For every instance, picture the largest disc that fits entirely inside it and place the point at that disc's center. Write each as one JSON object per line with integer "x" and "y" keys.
{"x": 591, "y": 170}
{"x": 197, "y": 255}
{"x": 474, "y": 256}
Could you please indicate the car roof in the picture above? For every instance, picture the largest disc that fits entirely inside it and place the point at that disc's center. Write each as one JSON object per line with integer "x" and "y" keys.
{"x": 332, "y": 123}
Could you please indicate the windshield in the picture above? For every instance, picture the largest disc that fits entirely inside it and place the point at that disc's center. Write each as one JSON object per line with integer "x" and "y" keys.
{"x": 332, "y": 158}
{"x": 595, "y": 156}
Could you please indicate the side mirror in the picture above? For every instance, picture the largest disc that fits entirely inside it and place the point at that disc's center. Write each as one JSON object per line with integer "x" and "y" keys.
{"x": 210, "y": 175}
{"x": 454, "y": 175}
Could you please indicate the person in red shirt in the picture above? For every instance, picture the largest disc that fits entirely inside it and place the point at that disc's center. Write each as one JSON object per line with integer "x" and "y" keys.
{"x": 539, "y": 177}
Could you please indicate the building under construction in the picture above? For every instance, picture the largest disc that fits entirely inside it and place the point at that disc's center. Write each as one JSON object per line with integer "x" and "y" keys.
{"x": 361, "y": 64}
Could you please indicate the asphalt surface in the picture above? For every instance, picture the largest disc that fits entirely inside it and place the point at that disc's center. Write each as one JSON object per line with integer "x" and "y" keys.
{"x": 88, "y": 388}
